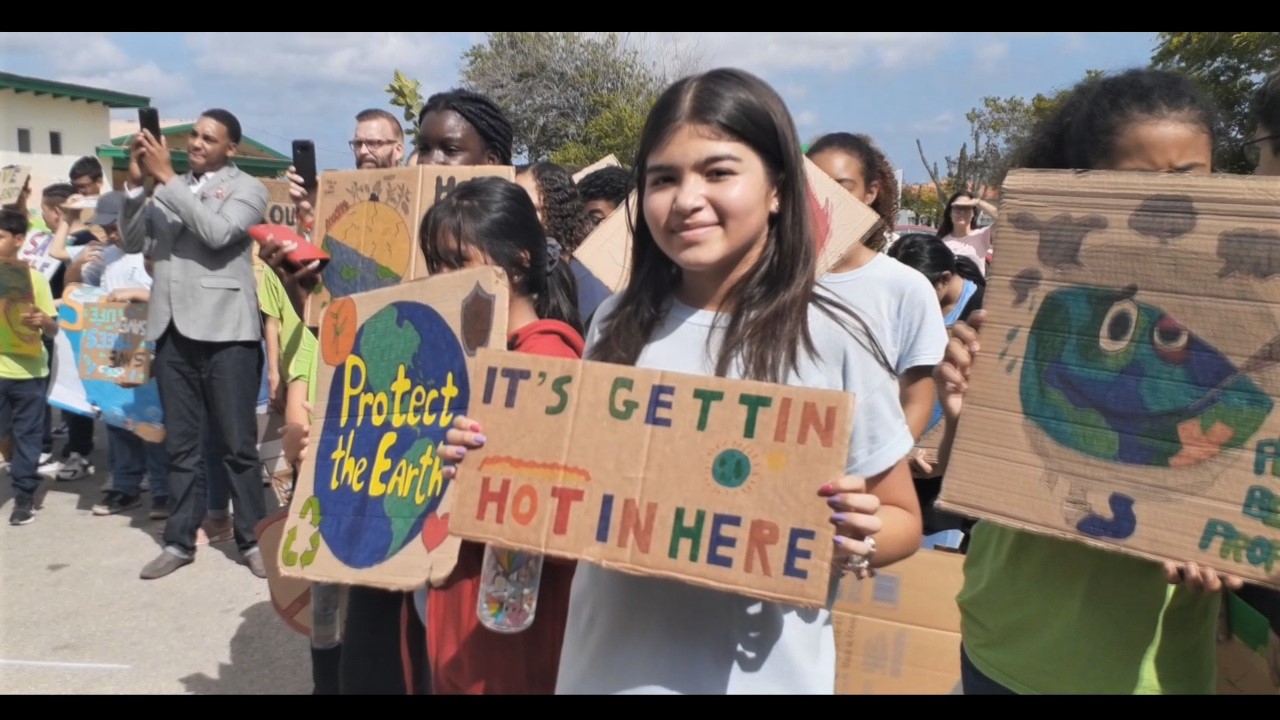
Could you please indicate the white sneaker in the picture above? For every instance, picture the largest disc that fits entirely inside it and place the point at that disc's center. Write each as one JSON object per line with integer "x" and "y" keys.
{"x": 48, "y": 466}
{"x": 76, "y": 467}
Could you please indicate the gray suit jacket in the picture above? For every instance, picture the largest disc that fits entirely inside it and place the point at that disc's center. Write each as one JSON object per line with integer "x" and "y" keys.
{"x": 203, "y": 258}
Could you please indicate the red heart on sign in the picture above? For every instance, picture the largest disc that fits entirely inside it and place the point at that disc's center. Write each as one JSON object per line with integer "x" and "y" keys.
{"x": 434, "y": 531}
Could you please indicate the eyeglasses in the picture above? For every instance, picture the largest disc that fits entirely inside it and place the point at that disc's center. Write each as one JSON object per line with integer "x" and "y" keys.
{"x": 374, "y": 145}
{"x": 1253, "y": 148}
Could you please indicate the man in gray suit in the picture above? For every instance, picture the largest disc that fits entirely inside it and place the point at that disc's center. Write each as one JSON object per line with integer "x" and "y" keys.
{"x": 205, "y": 322}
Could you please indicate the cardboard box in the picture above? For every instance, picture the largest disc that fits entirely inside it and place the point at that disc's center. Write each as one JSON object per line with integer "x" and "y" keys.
{"x": 899, "y": 632}
{"x": 598, "y": 480}
{"x": 373, "y": 507}
{"x": 12, "y": 179}
{"x": 840, "y": 222}
{"x": 1125, "y": 396}
{"x": 368, "y": 220}
{"x": 1248, "y": 651}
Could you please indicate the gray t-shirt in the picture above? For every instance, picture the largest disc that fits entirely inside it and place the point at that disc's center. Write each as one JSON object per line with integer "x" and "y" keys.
{"x": 900, "y": 306}
{"x": 633, "y": 634}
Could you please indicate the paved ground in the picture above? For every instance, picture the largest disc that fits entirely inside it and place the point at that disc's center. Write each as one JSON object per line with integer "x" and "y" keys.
{"x": 76, "y": 619}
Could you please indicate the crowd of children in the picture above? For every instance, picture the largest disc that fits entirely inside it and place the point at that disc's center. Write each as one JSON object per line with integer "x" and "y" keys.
{"x": 723, "y": 282}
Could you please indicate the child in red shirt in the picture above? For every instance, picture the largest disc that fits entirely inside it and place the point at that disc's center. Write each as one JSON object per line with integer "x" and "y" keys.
{"x": 490, "y": 221}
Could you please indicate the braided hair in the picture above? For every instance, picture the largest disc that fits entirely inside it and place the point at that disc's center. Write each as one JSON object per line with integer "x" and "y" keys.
{"x": 481, "y": 113}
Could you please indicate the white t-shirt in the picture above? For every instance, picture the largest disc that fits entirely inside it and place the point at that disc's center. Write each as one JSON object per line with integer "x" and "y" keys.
{"x": 125, "y": 272}
{"x": 633, "y": 634}
{"x": 899, "y": 306}
{"x": 973, "y": 246}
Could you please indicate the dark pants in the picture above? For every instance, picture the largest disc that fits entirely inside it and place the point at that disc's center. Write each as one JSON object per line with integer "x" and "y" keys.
{"x": 371, "y": 662}
{"x": 975, "y": 683}
{"x": 210, "y": 382}
{"x": 79, "y": 435}
{"x": 25, "y": 403}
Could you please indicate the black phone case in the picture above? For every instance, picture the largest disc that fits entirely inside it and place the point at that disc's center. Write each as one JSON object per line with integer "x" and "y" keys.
{"x": 304, "y": 162}
{"x": 149, "y": 119}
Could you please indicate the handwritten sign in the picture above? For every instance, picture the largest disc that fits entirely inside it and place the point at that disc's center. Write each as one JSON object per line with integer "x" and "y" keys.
{"x": 12, "y": 179}
{"x": 373, "y": 508}
{"x": 113, "y": 346}
{"x": 136, "y": 409}
{"x": 1127, "y": 394}
{"x": 706, "y": 480}
{"x": 17, "y": 297}
{"x": 839, "y": 222}
{"x": 609, "y": 160}
{"x": 368, "y": 221}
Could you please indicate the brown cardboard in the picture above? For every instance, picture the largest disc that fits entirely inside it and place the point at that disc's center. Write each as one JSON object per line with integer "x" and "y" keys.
{"x": 1248, "y": 651}
{"x": 1199, "y": 481}
{"x": 12, "y": 179}
{"x": 372, "y": 507}
{"x": 290, "y": 597}
{"x": 368, "y": 220}
{"x": 605, "y": 463}
{"x": 113, "y": 345}
{"x": 839, "y": 222}
{"x": 604, "y": 162}
{"x": 17, "y": 296}
{"x": 899, "y": 632}
{"x": 280, "y": 208}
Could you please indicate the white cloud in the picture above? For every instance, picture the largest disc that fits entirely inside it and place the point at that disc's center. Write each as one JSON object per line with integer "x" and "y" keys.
{"x": 1073, "y": 42}
{"x": 92, "y": 59}
{"x": 312, "y": 60}
{"x": 806, "y": 118}
{"x": 940, "y": 123}
{"x": 989, "y": 54}
{"x": 832, "y": 51}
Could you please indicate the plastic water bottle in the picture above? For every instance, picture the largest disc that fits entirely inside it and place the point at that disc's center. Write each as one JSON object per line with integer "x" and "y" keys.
{"x": 509, "y": 582}
{"x": 326, "y": 615}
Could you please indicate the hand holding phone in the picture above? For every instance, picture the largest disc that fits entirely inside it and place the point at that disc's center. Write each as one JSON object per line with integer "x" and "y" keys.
{"x": 149, "y": 120}
{"x": 304, "y": 163}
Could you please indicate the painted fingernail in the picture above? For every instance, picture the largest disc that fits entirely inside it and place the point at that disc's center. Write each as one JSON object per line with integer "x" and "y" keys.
{"x": 475, "y": 427}
{"x": 480, "y": 439}
{"x": 833, "y": 501}
{"x": 837, "y": 518}
{"x": 826, "y": 489}
{"x": 461, "y": 452}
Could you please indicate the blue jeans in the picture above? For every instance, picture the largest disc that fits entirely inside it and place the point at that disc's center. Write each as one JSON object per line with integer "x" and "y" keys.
{"x": 24, "y": 403}
{"x": 973, "y": 682}
{"x": 131, "y": 457}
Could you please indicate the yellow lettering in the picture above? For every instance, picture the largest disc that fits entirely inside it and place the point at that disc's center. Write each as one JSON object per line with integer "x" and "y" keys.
{"x": 399, "y": 387}
{"x": 417, "y": 401}
{"x": 450, "y": 392}
{"x": 429, "y": 417}
{"x": 380, "y": 465}
{"x": 400, "y": 479}
{"x": 349, "y": 390}
{"x": 379, "y": 409}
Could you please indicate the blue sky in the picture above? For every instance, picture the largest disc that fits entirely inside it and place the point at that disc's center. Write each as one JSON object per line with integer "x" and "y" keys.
{"x": 897, "y": 87}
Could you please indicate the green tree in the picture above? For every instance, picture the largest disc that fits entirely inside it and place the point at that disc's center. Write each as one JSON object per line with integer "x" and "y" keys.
{"x": 405, "y": 94}
{"x": 554, "y": 85}
{"x": 998, "y": 127}
{"x": 614, "y": 128}
{"x": 1228, "y": 66}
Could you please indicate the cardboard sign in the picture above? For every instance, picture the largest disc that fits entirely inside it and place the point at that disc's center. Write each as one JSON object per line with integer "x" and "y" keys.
{"x": 17, "y": 297}
{"x": 840, "y": 221}
{"x": 898, "y": 633}
{"x": 604, "y": 162}
{"x": 113, "y": 344}
{"x": 1248, "y": 651}
{"x": 368, "y": 220}
{"x": 136, "y": 409}
{"x": 701, "y": 479}
{"x": 373, "y": 508}
{"x": 1126, "y": 396}
{"x": 280, "y": 208}
{"x": 290, "y": 597}
{"x": 12, "y": 179}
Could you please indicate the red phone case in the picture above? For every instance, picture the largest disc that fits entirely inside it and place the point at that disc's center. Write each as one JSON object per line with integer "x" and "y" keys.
{"x": 303, "y": 254}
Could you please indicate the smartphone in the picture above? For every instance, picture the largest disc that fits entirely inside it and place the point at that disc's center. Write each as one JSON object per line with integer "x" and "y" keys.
{"x": 149, "y": 119}
{"x": 304, "y": 162}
